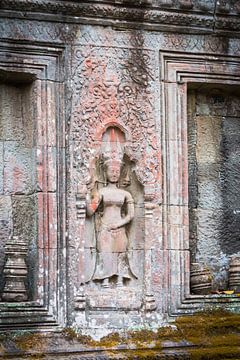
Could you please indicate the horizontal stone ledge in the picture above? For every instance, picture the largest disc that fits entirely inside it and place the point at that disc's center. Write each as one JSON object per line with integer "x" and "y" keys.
{"x": 152, "y": 17}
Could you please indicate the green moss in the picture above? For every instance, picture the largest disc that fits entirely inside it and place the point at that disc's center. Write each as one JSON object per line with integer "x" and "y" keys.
{"x": 70, "y": 334}
{"x": 210, "y": 333}
{"x": 31, "y": 341}
{"x": 111, "y": 340}
{"x": 210, "y": 328}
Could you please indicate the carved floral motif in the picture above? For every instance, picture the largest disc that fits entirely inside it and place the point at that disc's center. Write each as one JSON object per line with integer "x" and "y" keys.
{"x": 114, "y": 86}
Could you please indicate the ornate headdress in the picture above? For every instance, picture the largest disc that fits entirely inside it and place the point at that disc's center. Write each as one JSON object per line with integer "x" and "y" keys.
{"x": 112, "y": 149}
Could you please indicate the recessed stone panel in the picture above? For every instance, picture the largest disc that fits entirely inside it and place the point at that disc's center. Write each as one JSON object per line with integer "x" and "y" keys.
{"x": 214, "y": 180}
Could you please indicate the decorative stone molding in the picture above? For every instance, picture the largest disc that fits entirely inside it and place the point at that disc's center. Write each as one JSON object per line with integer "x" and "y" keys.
{"x": 186, "y": 14}
{"x": 39, "y": 66}
{"x": 114, "y": 89}
{"x": 178, "y": 71}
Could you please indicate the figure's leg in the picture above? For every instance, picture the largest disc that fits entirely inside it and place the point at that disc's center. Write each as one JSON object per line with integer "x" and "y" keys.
{"x": 119, "y": 281}
{"x": 105, "y": 283}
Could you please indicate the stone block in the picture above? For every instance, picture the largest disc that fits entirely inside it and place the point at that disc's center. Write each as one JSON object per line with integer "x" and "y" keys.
{"x": 202, "y": 105}
{"x": 11, "y": 125}
{"x": 208, "y": 137}
{"x": 178, "y": 237}
{"x": 123, "y": 298}
{"x": 52, "y": 220}
{"x": 231, "y": 126}
{"x": 209, "y": 195}
{"x": 51, "y": 169}
{"x": 178, "y": 270}
{"x": 178, "y": 193}
{"x": 111, "y": 320}
{"x": 51, "y": 115}
{"x": 5, "y": 229}
{"x": 24, "y": 215}
{"x": 16, "y": 114}
{"x": 19, "y": 169}
{"x": 209, "y": 234}
{"x": 178, "y": 215}
{"x": 1, "y": 166}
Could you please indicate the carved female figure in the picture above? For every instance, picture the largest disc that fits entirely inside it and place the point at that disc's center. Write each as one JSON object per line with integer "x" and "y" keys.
{"x": 112, "y": 242}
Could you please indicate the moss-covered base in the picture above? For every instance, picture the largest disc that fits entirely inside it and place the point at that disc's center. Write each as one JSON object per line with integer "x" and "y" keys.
{"x": 207, "y": 335}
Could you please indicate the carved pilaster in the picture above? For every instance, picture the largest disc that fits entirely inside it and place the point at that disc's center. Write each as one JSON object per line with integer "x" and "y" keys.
{"x": 149, "y": 300}
{"x": 81, "y": 207}
{"x": 15, "y": 271}
{"x": 80, "y": 299}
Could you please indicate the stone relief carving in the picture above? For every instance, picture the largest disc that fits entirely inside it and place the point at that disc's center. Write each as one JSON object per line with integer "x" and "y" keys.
{"x": 113, "y": 89}
{"x": 114, "y": 86}
{"x": 160, "y": 14}
{"x": 117, "y": 212}
{"x": 69, "y": 33}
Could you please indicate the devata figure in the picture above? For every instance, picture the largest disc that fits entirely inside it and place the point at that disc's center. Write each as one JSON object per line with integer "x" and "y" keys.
{"x": 112, "y": 243}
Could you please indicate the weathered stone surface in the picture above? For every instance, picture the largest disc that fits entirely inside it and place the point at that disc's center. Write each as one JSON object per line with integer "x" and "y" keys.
{"x": 153, "y": 76}
{"x": 24, "y": 216}
{"x": 215, "y": 180}
{"x": 19, "y": 174}
{"x": 5, "y": 229}
{"x": 16, "y": 121}
{"x": 1, "y": 166}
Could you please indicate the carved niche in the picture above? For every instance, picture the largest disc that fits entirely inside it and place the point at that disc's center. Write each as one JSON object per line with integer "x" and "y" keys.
{"x": 113, "y": 208}
{"x": 31, "y": 146}
{"x": 213, "y": 123}
{"x": 113, "y": 251}
{"x": 112, "y": 134}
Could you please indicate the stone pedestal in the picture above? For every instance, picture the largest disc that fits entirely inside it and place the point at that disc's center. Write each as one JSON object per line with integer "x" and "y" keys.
{"x": 15, "y": 271}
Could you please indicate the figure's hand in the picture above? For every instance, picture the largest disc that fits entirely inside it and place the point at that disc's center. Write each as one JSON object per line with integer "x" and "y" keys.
{"x": 115, "y": 226}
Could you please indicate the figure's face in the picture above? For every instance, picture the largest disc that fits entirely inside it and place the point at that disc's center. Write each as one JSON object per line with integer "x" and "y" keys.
{"x": 113, "y": 173}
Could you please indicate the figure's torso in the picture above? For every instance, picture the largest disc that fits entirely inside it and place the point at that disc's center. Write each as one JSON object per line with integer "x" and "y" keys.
{"x": 113, "y": 200}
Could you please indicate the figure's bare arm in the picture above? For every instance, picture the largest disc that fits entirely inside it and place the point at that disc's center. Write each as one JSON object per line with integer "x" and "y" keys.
{"x": 93, "y": 202}
{"x": 130, "y": 208}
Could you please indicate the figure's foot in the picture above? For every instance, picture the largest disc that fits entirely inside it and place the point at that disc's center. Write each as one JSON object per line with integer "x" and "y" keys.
{"x": 119, "y": 282}
{"x": 105, "y": 283}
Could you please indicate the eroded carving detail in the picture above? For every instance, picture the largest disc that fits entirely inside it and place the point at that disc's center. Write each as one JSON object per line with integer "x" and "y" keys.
{"x": 154, "y": 15}
{"x": 114, "y": 86}
{"x": 117, "y": 211}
